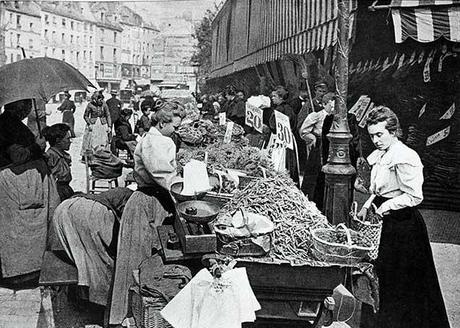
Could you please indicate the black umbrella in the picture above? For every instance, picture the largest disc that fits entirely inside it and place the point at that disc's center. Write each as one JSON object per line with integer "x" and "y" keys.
{"x": 41, "y": 77}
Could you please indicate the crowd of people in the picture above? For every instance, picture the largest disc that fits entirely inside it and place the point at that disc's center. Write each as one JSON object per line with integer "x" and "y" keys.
{"x": 310, "y": 119}
{"x": 109, "y": 234}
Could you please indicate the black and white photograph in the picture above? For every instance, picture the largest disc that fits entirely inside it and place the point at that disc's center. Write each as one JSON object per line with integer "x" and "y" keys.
{"x": 230, "y": 164}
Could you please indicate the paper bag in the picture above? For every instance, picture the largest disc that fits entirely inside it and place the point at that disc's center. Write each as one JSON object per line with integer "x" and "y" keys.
{"x": 196, "y": 178}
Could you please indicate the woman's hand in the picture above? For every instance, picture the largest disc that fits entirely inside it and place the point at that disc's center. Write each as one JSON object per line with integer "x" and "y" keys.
{"x": 362, "y": 215}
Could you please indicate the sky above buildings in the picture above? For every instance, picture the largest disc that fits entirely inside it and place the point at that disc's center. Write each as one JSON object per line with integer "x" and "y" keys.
{"x": 157, "y": 11}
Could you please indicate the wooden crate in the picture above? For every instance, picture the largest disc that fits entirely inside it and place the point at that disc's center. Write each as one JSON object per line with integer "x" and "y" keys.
{"x": 193, "y": 238}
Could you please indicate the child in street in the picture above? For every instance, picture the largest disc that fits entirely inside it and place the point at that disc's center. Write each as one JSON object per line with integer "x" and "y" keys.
{"x": 58, "y": 159}
{"x": 143, "y": 124}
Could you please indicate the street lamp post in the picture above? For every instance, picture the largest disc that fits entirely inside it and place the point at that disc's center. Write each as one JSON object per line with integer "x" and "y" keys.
{"x": 338, "y": 170}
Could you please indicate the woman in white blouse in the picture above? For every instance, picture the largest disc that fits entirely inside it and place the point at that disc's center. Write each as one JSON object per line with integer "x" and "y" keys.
{"x": 410, "y": 295}
{"x": 154, "y": 170}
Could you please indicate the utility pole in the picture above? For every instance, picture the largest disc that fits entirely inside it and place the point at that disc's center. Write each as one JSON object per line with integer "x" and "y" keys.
{"x": 338, "y": 170}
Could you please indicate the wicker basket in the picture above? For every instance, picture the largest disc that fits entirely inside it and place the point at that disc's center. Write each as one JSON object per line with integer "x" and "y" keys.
{"x": 370, "y": 229}
{"x": 146, "y": 310}
{"x": 337, "y": 252}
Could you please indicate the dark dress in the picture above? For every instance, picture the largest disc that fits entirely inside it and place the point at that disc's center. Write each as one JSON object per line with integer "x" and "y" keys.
{"x": 236, "y": 111}
{"x": 291, "y": 160}
{"x": 68, "y": 109}
{"x": 124, "y": 137}
{"x": 114, "y": 108}
{"x": 410, "y": 295}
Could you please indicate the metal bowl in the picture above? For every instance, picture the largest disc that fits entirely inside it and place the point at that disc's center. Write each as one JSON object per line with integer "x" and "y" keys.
{"x": 176, "y": 189}
{"x": 198, "y": 211}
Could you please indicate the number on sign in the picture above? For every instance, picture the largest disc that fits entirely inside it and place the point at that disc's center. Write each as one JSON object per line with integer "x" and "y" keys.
{"x": 284, "y": 133}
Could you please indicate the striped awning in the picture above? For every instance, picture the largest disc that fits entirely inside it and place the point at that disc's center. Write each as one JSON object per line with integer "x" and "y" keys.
{"x": 426, "y": 20}
{"x": 249, "y": 33}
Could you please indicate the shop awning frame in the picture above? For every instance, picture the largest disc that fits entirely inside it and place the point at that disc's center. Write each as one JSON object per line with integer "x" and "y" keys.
{"x": 426, "y": 20}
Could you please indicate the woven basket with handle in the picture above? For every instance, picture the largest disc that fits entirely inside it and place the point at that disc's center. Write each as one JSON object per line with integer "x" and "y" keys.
{"x": 346, "y": 252}
{"x": 370, "y": 228}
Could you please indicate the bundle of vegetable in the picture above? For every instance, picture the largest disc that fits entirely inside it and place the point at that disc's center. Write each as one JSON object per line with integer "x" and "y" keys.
{"x": 340, "y": 237}
{"x": 288, "y": 208}
{"x": 237, "y": 132}
{"x": 230, "y": 156}
{"x": 208, "y": 130}
{"x": 190, "y": 135}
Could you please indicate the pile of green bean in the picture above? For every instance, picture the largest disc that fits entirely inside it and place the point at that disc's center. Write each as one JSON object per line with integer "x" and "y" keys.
{"x": 289, "y": 209}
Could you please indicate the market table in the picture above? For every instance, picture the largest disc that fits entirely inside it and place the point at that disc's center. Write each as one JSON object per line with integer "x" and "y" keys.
{"x": 281, "y": 289}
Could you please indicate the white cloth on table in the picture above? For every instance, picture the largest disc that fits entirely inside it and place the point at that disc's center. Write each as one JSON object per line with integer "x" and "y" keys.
{"x": 199, "y": 305}
{"x": 396, "y": 174}
{"x": 155, "y": 159}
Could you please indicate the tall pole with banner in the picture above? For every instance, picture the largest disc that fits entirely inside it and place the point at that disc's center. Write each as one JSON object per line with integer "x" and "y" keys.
{"x": 338, "y": 170}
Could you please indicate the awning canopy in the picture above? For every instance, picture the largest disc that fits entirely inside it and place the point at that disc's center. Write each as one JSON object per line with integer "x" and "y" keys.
{"x": 426, "y": 20}
{"x": 249, "y": 33}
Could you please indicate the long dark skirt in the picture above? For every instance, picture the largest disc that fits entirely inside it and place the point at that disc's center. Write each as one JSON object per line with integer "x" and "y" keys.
{"x": 410, "y": 295}
{"x": 312, "y": 170}
{"x": 68, "y": 118}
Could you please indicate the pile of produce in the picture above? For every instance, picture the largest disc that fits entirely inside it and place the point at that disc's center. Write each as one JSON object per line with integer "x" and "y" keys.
{"x": 205, "y": 132}
{"x": 287, "y": 207}
{"x": 340, "y": 237}
{"x": 190, "y": 134}
{"x": 237, "y": 132}
{"x": 229, "y": 156}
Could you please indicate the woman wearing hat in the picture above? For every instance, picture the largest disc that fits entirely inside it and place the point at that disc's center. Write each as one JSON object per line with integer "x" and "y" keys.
{"x": 68, "y": 109}
{"x": 98, "y": 124}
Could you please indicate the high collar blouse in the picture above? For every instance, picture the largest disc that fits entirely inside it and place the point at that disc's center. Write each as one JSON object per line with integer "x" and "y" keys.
{"x": 397, "y": 174}
{"x": 155, "y": 159}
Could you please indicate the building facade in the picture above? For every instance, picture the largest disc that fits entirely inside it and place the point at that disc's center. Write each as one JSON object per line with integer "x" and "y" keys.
{"x": 22, "y": 25}
{"x": 68, "y": 35}
{"x": 173, "y": 49}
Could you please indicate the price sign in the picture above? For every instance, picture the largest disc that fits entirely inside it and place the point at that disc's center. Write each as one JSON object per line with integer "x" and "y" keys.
{"x": 253, "y": 117}
{"x": 283, "y": 130}
{"x": 228, "y": 132}
{"x": 438, "y": 136}
{"x": 357, "y": 105}
{"x": 222, "y": 118}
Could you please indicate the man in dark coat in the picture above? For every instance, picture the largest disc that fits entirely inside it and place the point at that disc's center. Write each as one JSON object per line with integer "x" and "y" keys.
{"x": 68, "y": 109}
{"x": 235, "y": 107}
{"x": 321, "y": 89}
{"x": 114, "y": 105}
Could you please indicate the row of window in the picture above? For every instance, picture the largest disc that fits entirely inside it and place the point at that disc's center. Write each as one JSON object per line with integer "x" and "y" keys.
{"x": 73, "y": 25}
{"x": 63, "y": 38}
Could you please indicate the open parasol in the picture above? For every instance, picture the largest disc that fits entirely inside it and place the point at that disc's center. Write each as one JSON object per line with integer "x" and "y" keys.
{"x": 41, "y": 77}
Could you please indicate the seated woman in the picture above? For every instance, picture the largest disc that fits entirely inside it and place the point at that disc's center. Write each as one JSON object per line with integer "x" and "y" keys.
{"x": 24, "y": 211}
{"x": 87, "y": 227}
{"x": 58, "y": 159}
{"x": 124, "y": 137}
{"x": 144, "y": 124}
{"x": 154, "y": 169}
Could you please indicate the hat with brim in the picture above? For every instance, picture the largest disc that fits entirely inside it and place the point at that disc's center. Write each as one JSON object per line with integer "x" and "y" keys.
{"x": 320, "y": 83}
